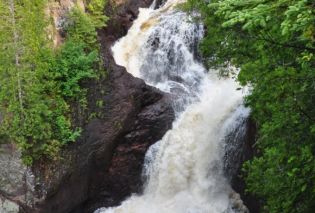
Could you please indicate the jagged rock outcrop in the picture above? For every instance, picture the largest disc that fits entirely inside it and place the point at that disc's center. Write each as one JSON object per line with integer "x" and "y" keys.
{"x": 104, "y": 165}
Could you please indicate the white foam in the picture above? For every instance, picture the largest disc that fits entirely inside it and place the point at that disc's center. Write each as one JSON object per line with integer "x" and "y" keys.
{"x": 184, "y": 169}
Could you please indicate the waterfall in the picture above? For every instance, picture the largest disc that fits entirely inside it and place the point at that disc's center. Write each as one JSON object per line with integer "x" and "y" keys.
{"x": 184, "y": 170}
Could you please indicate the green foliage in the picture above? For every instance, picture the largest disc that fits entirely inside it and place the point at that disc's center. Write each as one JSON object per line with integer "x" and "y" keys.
{"x": 273, "y": 44}
{"x": 34, "y": 115}
{"x": 72, "y": 65}
{"x": 81, "y": 27}
{"x": 96, "y": 12}
{"x": 37, "y": 84}
{"x": 100, "y": 103}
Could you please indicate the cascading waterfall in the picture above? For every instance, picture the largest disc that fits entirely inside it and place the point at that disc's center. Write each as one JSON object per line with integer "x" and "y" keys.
{"x": 184, "y": 171}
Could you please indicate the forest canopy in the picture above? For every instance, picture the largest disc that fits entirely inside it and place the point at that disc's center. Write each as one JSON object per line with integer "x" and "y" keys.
{"x": 273, "y": 44}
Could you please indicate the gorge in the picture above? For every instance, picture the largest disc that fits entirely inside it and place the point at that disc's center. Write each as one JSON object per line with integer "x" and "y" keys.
{"x": 184, "y": 171}
{"x": 148, "y": 106}
{"x": 189, "y": 168}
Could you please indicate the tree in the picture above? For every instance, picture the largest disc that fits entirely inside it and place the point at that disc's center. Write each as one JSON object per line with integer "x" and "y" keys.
{"x": 272, "y": 42}
{"x": 34, "y": 114}
{"x": 37, "y": 84}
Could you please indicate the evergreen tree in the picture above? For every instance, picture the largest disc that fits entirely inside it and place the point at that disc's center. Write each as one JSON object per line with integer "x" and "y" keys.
{"x": 34, "y": 113}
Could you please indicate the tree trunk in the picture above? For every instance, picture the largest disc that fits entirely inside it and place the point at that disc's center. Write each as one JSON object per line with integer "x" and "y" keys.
{"x": 16, "y": 49}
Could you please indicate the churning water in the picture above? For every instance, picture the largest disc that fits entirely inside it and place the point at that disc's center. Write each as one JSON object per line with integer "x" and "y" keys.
{"x": 184, "y": 170}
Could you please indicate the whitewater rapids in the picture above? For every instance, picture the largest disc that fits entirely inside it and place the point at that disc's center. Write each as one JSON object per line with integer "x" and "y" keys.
{"x": 184, "y": 170}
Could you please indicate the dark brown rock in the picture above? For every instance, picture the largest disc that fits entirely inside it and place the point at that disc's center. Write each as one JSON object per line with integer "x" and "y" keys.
{"x": 108, "y": 159}
{"x": 241, "y": 148}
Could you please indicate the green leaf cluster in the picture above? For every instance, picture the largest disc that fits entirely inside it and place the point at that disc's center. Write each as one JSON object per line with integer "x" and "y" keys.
{"x": 96, "y": 12}
{"x": 72, "y": 65}
{"x": 273, "y": 44}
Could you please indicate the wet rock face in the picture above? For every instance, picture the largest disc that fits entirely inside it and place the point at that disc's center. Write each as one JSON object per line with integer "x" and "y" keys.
{"x": 8, "y": 206}
{"x": 16, "y": 181}
{"x": 104, "y": 165}
{"x": 123, "y": 174}
{"x": 13, "y": 171}
{"x": 57, "y": 12}
{"x": 123, "y": 13}
{"x": 159, "y": 3}
{"x": 240, "y": 148}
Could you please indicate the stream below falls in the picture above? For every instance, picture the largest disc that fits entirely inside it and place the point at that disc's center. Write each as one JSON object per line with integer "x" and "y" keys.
{"x": 184, "y": 170}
